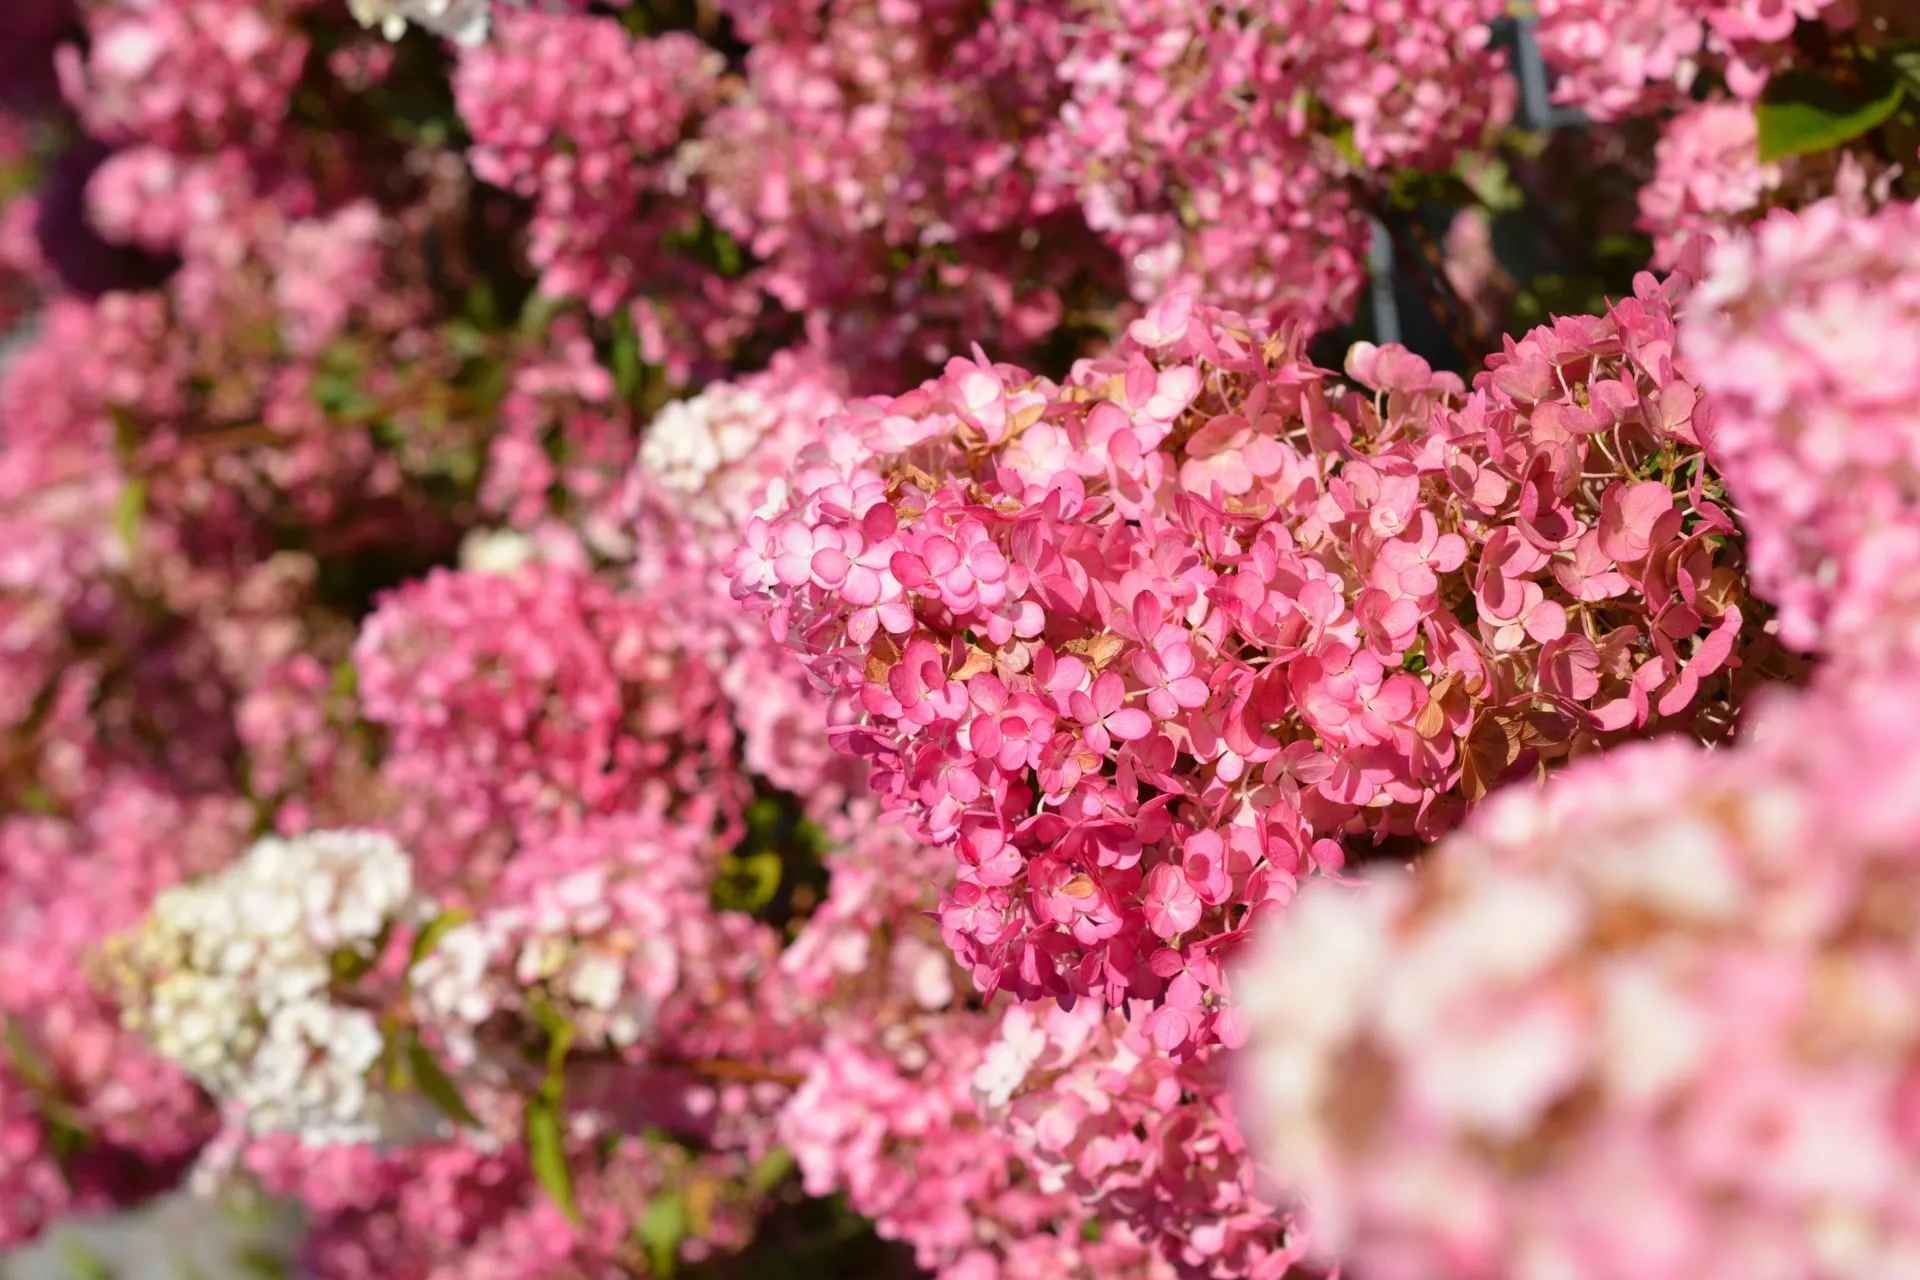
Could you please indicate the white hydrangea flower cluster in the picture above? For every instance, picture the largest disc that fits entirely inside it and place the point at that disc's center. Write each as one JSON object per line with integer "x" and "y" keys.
{"x": 233, "y": 978}
{"x": 464, "y": 22}
{"x": 567, "y": 944}
{"x": 503, "y": 552}
{"x": 692, "y": 447}
{"x": 455, "y": 989}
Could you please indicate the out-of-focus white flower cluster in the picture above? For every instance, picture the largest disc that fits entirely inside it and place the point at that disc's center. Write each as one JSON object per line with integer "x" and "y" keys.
{"x": 234, "y": 977}
{"x": 568, "y": 944}
{"x": 718, "y": 459}
{"x": 692, "y": 440}
{"x": 464, "y": 22}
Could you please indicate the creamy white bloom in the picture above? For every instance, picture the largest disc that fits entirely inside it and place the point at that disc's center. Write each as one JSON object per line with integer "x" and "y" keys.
{"x": 464, "y": 22}
{"x": 691, "y": 439}
{"x": 502, "y": 552}
{"x": 233, "y": 978}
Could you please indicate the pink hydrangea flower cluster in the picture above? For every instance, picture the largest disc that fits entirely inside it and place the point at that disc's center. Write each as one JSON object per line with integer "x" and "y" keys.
{"x": 608, "y": 926}
{"x": 714, "y": 461}
{"x": 884, "y": 172}
{"x": 563, "y": 444}
{"x": 1805, "y": 332}
{"x": 36, "y": 1191}
{"x": 1650, "y": 1020}
{"x": 1097, "y": 1110}
{"x": 1709, "y": 179}
{"x": 572, "y": 111}
{"x": 1617, "y": 57}
{"x": 1708, "y": 175}
{"x": 1148, "y": 647}
{"x": 67, "y": 1064}
{"x": 1163, "y": 147}
{"x": 527, "y": 701}
{"x": 874, "y": 153}
{"x": 188, "y": 76}
{"x": 894, "y": 1122}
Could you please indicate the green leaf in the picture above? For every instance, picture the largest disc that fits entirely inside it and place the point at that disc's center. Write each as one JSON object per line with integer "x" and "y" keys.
{"x": 662, "y": 1230}
{"x": 1906, "y": 64}
{"x": 349, "y": 965}
{"x": 483, "y": 307}
{"x": 339, "y": 395}
{"x": 763, "y": 817}
{"x": 126, "y": 434}
{"x": 1413, "y": 188}
{"x": 1802, "y": 112}
{"x": 626, "y": 362}
{"x": 66, "y": 1138}
{"x": 547, "y": 1152}
{"x": 538, "y": 313}
{"x": 560, "y": 1035}
{"x": 747, "y": 882}
{"x": 83, "y": 1263}
{"x": 129, "y": 512}
{"x": 1490, "y": 179}
{"x": 812, "y": 838}
{"x": 770, "y": 1172}
{"x": 27, "y": 1064}
{"x": 1342, "y": 139}
{"x": 261, "y": 1262}
{"x": 434, "y": 930}
{"x": 439, "y": 1088}
{"x": 726, "y": 253}
{"x": 1630, "y": 245}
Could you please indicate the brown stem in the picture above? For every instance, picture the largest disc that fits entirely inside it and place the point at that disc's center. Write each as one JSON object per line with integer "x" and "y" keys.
{"x": 726, "y": 1069}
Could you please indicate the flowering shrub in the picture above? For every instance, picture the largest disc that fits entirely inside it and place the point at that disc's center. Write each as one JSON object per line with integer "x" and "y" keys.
{"x": 665, "y": 638}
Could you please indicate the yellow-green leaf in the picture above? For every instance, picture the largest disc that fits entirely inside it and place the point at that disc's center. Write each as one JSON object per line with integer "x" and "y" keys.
{"x": 560, "y": 1035}
{"x": 747, "y": 882}
{"x": 27, "y": 1064}
{"x": 547, "y": 1152}
{"x": 349, "y": 965}
{"x": 770, "y": 1172}
{"x": 437, "y": 1086}
{"x": 434, "y": 930}
{"x": 1802, "y": 112}
{"x": 83, "y": 1262}
{"x": 662, "y": 1230}
{"x": 129, "y": 513}
{"x": 1906, "y": 64}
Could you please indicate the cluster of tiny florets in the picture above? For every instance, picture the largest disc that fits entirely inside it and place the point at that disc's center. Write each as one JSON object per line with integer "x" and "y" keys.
{"x": 234, "y": 977}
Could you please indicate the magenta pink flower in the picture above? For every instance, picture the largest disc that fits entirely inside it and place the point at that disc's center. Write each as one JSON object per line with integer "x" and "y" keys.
{"x": 1172, "y": 907}
{"x": 1010, "y": 729}
{"x": 964, "y": 571}
{"x": 1167, "y": 674}
{"x": 1103, "y": 716}
{"x": 1634, "y": 519}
